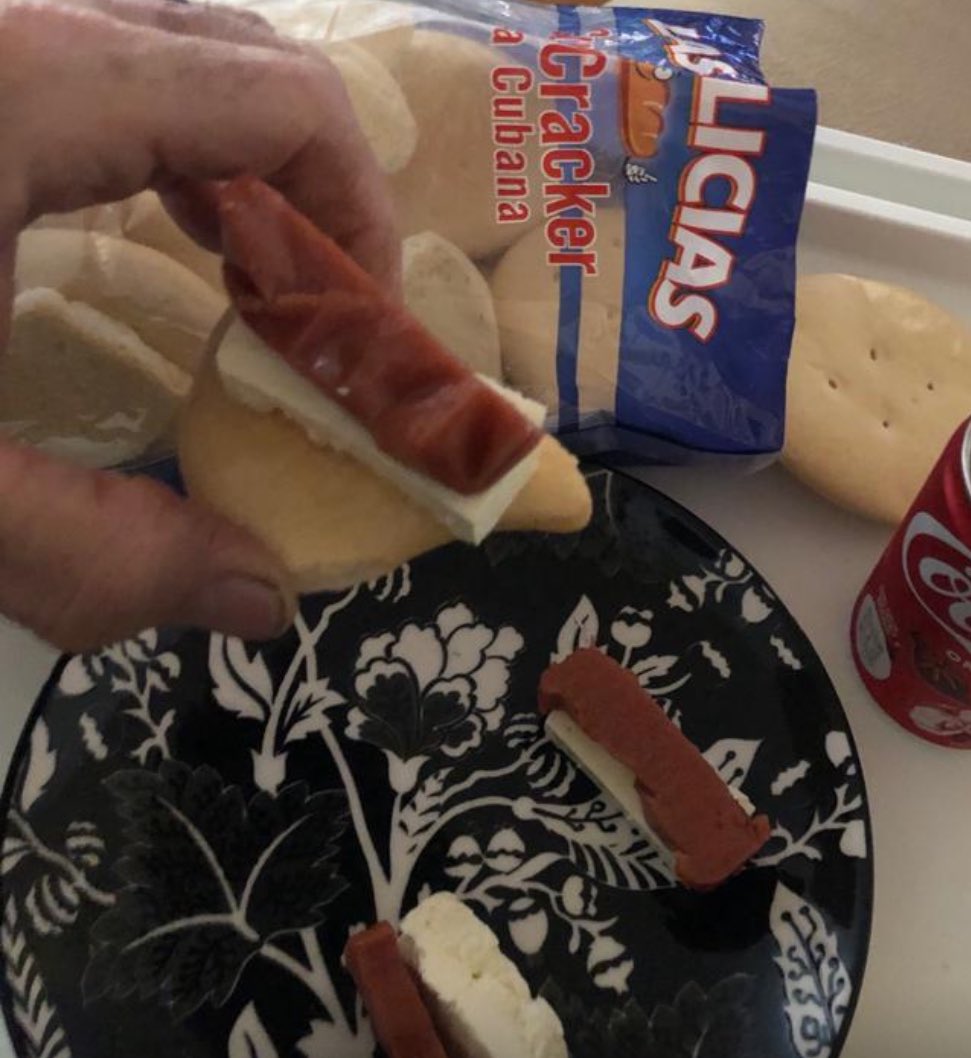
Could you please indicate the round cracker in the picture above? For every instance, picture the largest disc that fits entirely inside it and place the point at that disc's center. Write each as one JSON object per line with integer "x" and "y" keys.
{"x": 379, "y": 105}
{"x": 382, "y": 28}
{"x": 447, "y": 186}
{"x": 451, "y": 297}
{"x": 332, "y": 521}
{"x": 526, "y": 295}
{"x": 76, "y": 383}
{"x": 171, "y": 309}
{"x": 879, "y": 379}
{"x": 142, "y": 219}
{"x": 145, "y": 220}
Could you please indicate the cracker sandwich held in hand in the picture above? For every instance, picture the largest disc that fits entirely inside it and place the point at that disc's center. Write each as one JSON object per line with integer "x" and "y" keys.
{"x": 335, "y": 427}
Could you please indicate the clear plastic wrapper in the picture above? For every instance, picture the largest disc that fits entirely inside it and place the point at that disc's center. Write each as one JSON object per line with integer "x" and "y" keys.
{"x": 601, "y": 205}
{"x": 112, "y": 310}
{"x": 628, "y": 183}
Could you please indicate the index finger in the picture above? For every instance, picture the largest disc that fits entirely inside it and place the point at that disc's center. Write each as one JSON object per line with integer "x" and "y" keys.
{"x": 134, "y": 107}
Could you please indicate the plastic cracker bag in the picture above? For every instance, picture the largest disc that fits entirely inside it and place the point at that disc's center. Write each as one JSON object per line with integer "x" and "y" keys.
{"x": 627, "y": 181}
{"x": 599, "y": 204}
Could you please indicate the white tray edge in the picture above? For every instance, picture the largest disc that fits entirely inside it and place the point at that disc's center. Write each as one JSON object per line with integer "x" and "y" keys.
{"x": 889, "y": 211}
{"x": 873, "y": 168}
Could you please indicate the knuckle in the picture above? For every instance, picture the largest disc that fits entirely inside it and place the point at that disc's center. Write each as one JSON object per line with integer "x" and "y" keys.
{"x": 305, "y": 94}
{"x": 22, "y": 23}
{"x": 20, "y": 469}
{"x": 106, "y": 589}
{"x": 21, "y": 38}
{"x": 69, "y": 635}
{"x": 73, "y": 611}
{"x": 243, "y": 17}
{"x": 30, "y": 30}
{"x": 88, "y": 558}
{"x": 317, "y": 79}
{"x": 212, "y": 20}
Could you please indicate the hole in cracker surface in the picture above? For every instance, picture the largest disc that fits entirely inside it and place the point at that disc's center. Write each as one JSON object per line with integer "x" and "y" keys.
{"x": 873, "y": 354}
{"x": 833, "y": 384}
{"x": 886, "y": 424}
{"x": 930, "y": 386}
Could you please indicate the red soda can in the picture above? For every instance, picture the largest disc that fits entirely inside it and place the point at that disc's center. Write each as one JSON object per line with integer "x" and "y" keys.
{"x": 911, "y": 630}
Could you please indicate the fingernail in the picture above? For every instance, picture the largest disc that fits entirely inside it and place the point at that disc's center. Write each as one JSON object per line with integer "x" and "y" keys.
{"x": 242, "y": 606}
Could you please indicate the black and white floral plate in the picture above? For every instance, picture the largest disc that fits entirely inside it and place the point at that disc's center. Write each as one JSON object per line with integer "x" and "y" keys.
{"x": 193, "y": 824}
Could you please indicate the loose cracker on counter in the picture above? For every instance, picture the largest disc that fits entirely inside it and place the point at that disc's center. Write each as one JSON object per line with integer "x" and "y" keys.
{"x": 879, "y": 378}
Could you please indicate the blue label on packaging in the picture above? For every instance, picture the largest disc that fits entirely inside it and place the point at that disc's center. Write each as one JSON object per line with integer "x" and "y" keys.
{"x": 712, "y": 218}
{"x": 672, "y": 180}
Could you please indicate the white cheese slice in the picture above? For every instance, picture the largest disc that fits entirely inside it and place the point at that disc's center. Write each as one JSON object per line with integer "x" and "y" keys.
{"x": 478, "y": 999}
{"x": 615, "y": 779}
{"x": 257, "y": 377}
{"x": 744, "y": 801}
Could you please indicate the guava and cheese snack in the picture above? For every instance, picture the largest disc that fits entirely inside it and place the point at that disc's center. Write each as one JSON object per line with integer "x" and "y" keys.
{"x": 382, "y": 387}
{"x": 478, "y": 999}
{"x": 598, "y": 712}
{"x": 333, "y": 324}
{"x": 355, "y": 442}
{"x": 400, "y": 1020}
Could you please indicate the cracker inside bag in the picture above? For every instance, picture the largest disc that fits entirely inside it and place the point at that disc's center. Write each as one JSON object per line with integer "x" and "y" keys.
{"x": 106, "y": 335}
{"x": 600, "y": 206}
{"x": 627, "y": 183}
{"x": 446, "y": 291}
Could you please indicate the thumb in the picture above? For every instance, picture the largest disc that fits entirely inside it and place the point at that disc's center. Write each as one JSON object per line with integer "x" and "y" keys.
{"x": 90, "y": 557}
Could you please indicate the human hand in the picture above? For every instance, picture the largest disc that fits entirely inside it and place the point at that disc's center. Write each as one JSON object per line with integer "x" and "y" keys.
{"x": 99, "y": 100}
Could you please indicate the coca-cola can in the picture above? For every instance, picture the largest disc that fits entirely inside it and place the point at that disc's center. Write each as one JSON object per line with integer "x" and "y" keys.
{"x": 911, "y": 630}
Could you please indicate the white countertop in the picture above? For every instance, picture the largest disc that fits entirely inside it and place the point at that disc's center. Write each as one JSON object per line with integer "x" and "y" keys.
{"x": 918, "y": 982}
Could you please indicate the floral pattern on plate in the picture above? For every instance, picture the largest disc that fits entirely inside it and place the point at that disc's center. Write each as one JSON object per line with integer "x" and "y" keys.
{"x": 194, "y": 824}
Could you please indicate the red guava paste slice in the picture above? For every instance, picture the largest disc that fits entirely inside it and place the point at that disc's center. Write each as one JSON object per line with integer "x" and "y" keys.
{"x": 399, "y": 1017}
{"x": 331, "y": 322}
{"x": 684, "y": 799}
